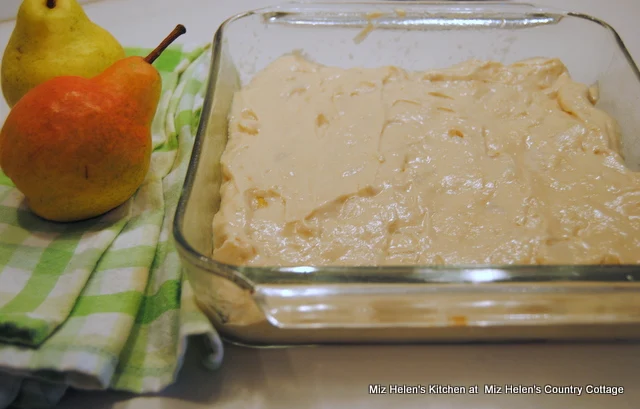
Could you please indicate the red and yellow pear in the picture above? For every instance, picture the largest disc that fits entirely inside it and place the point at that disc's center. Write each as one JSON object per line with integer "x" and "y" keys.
{"x": 77, "y": 147}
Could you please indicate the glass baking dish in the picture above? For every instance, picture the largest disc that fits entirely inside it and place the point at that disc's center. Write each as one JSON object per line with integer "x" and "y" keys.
{"x": 309, "y": 304}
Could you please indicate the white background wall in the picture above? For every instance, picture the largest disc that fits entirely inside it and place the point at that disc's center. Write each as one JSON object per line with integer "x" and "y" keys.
{"x": 9, "y": 8}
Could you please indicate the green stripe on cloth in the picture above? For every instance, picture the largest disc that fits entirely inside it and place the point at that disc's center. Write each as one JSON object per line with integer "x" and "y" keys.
{"x": 118, "y": 309}
{"x": 5, "y": 181}
{"x": 124, "y": 302}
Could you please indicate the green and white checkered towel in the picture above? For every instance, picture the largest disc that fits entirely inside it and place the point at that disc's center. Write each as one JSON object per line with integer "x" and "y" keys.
{"x": 102, "y": 303}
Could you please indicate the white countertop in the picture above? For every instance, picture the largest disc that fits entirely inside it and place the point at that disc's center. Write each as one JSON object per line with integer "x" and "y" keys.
{"x": 339, "y": 376}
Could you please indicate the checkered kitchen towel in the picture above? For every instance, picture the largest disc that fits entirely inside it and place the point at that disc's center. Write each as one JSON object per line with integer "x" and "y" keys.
{"x": 102, "y": 303}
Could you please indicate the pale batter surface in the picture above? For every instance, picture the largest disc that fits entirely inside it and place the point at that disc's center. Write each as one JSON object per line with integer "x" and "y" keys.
{"x": 478, "y": 163}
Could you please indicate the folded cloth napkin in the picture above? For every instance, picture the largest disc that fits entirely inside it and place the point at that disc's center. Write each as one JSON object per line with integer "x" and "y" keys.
{"x": 103, "y": 303}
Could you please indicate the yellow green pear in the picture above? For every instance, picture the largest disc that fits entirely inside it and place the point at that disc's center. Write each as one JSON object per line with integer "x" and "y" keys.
{"x": 54, "y": 38}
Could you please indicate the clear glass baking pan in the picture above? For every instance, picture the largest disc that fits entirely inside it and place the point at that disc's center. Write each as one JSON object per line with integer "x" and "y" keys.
{"x": 310, "y": 304}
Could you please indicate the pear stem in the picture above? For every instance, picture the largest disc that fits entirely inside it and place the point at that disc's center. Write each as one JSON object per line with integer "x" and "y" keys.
{"x": 51, "y": 4}
{"x": 177, "y": 32}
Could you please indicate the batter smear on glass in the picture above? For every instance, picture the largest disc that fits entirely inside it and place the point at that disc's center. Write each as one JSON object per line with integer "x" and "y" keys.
{"x": 478, "y": 163}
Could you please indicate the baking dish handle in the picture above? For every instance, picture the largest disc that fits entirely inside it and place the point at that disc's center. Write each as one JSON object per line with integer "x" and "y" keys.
{"x": 344, "y": 305}
{"x": 432, "y": 305}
